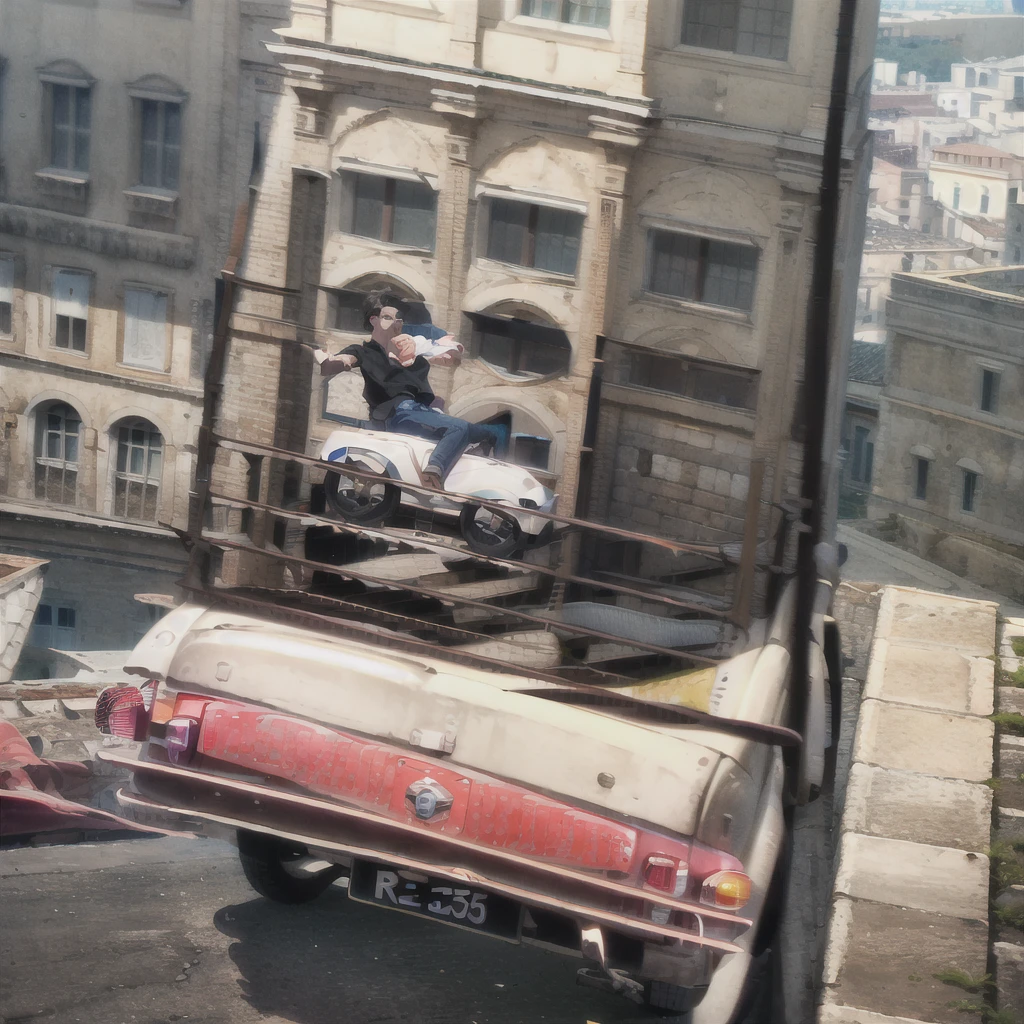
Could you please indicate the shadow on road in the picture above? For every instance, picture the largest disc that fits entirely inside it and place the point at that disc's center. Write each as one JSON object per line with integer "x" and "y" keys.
{"x": 334, "y": 960}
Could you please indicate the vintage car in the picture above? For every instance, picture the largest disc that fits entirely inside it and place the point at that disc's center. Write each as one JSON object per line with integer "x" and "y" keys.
{"x": 641, "y": 828}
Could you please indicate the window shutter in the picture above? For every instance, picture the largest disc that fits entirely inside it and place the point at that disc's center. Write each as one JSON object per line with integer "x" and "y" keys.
{"x": 71, "y": 294}
{"x": 145, "y": 329}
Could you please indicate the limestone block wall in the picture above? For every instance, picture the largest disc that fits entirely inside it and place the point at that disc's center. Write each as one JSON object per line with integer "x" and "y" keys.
{"x": 911, "y": 891}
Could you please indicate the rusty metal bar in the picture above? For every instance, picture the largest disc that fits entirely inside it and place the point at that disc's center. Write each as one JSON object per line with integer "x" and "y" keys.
{"x": 596, "y": 696}
{"x": 444, "y": 598}
{"x": 356, "y": 815}
{"x": 400, "y": 621}
{"x": 711, "y": 550}
{"x": 368, "y": 634}
{"x": 489, "y": 559}
{"x": 262, "y": 286}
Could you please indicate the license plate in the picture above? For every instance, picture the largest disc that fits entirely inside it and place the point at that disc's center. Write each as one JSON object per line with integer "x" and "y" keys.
{"x": 437, "y": 899}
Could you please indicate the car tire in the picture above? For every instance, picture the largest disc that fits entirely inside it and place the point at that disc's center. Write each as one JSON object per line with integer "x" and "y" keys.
{"x": 264, "y": 862}
{"x": 497, "y": 543}
{"x": 352, "y": 510}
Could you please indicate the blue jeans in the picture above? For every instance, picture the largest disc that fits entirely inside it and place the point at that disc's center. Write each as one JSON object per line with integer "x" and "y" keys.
{"x": 453, "y": 435}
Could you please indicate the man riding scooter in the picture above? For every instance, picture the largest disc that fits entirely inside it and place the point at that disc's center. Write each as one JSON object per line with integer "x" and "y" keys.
{"x": 396, "y": 389}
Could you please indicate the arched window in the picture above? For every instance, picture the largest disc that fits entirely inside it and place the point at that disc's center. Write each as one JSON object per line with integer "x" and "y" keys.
{"x": 520, "y": 342}
{"x": 137, "y": 469}
{"x": 58, "y": 428}
{"x": 984, "y": 200}
{"x": 956, "y": 197}
{"x": 349, "y": 304}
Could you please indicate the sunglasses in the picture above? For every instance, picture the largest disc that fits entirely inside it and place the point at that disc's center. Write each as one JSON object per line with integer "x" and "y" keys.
{"x": 385, "y": 320}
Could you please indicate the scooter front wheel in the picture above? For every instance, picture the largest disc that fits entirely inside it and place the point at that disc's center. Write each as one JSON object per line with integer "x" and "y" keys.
{"x": 366, "y": 502}
{"x": 488, "y": 531}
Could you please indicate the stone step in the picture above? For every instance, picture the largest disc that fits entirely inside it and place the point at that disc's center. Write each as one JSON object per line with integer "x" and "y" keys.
{"x": 1011, "y": 757}
{"x": 1011, "y": 698}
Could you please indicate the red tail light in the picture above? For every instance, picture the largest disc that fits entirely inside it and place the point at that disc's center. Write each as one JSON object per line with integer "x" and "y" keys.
{"x": 666, "y": 873}
{"x": 121, "y": 711}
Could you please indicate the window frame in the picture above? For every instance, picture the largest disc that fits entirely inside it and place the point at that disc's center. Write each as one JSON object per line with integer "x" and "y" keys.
{"x": 129, "y": 424}
{"x": 55, "y": 605}
{"x": 162, "y": 102}
{"x": 70, "y": 348}
{"x": 733, "y": 53}
{"x": 348, "y": 210}
{"x": 705, "y": 240}
{"x": 988, "y": 398}
{"x": 563, "y": 19}
{"x": 970, "y": 483}
{"x": 921, "y": 478}
{"x": 518, "y": 346}
{"x": 7, "y": 259}
{"x": 528, "y": 249}
{"x": 76, "y": 89}
{"x": 624, "y": 358}
{"x": 134, "y": 286}
{"x": 53, "y": 464}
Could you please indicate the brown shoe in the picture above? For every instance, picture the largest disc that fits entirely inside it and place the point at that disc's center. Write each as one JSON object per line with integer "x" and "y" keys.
{"x": 432, "y": 478}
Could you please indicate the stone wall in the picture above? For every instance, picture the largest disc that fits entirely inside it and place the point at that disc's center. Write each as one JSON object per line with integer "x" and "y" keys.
{"x": 911, "y": 892}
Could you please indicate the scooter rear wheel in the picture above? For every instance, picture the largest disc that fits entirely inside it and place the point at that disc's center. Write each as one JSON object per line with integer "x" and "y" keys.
{"x": 489, "y": 532}
{"x": 361, "y": 501}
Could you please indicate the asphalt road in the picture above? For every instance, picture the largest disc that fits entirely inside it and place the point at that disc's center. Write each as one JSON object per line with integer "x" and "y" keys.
{"x": 160, "y": 930}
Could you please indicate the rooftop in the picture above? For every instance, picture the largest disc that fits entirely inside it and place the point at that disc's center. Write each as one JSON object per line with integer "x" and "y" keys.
{"x": 973, "y": 149}
{"x": 867, "y": 362}
{"x": 1001, "y": 280}
{"x": 881, "y": 236}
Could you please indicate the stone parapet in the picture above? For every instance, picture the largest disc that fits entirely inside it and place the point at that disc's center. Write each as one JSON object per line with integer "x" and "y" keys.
{"x": 911, "y": 891}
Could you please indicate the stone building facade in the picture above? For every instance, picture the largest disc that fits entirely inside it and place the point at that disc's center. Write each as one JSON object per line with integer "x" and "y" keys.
{"x": 126, "y": 141}
{"x": 619, "y": 185}
{"x": 949, "y": 459}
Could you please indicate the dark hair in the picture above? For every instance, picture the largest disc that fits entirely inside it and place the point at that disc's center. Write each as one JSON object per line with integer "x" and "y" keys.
{"x": 377, "y": 300}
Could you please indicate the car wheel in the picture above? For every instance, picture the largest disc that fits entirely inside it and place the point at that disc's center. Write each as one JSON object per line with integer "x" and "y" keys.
{"x": 270, "y": 866}
{"x": 366, "y": 502}
{"x": 488, "y": 531}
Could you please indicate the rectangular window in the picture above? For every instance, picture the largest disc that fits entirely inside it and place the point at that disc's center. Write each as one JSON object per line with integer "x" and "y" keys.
{"x": 921, "y": 490}
{"x": 702, "y": 270}
{"x": 592, "y": 13}
{"x": 71, "y": 309}
{"x": 688, "y": 378}
{"x": 1011, "y": 196}
{"x": 70, "y": 118}
{"x": 531, "y": 450}
{"x": 752, "y": 28}
{"x": 860, "y": 454}
{"x": 145, "y": 329}
{"x": 392, "y": 210}
{"x": 54, "y": 626}
{"x": 159, "y": 144}
{"x": 6, "y": 295}
{"x": 989, "y": 391}
{"x": 534, "y": 236}
{"x": 520, "y": 347}
{"x": 970, "y": 491}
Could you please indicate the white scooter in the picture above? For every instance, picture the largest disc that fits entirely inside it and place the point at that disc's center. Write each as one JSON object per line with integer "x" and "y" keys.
{"x": 402, "y": 458}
